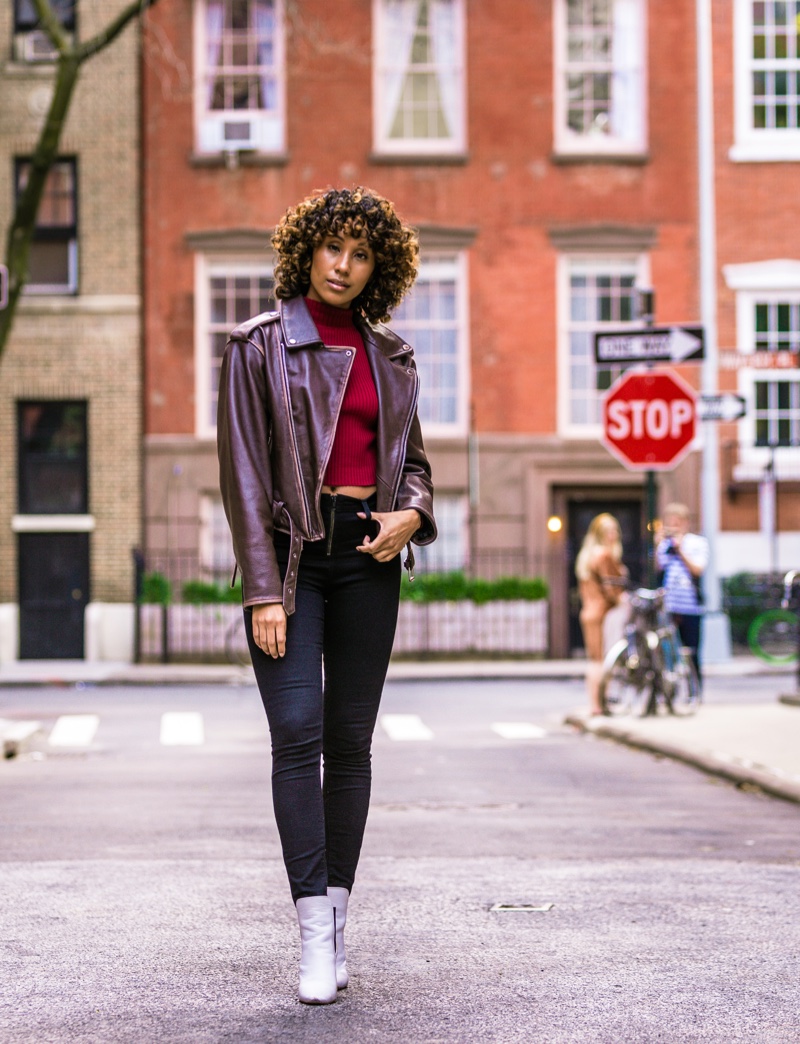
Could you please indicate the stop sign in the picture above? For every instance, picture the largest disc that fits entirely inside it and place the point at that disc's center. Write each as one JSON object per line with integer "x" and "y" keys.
{"x": 649, "y": 420}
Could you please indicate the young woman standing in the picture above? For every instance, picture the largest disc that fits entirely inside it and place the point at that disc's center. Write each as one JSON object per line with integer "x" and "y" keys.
{"x": 601, "y": 584}
{"x": 324, "y": 479}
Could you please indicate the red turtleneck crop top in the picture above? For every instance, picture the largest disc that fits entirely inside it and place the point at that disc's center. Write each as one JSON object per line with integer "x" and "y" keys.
{"x": 354, "y": 455}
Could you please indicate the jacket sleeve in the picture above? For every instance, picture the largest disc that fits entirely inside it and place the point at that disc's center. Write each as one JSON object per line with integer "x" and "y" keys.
{"x": 245, "y": 470}
{"x": 416, "y": 486}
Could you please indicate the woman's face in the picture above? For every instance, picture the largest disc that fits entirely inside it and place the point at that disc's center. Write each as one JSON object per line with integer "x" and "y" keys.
{"x": 609, "y": 534}
{"x": 340, "y": 269}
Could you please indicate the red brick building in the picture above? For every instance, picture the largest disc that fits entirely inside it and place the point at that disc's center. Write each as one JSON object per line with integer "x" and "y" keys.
{"x": 546, "y": 149}
{"x": 757, "y": 150}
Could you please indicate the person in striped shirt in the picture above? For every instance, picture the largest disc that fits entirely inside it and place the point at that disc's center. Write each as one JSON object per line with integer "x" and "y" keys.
{"x": 683, "y": 557}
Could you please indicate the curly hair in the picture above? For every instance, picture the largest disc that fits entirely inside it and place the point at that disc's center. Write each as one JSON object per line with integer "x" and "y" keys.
{"x": 352, "y": 212}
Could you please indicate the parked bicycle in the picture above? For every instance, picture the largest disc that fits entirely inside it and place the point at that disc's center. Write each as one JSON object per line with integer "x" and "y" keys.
{"x": 773, "y": 636}
{"x": 236, "y": 647}
{"x": 648, "y": 668}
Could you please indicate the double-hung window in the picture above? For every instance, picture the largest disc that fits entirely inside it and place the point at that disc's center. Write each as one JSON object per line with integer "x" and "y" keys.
{"x": 595, "y": 294}
{"x": 419, "y": 77}
{"x": 53, "y": 260}
{"x": 31, "y": 42}
{"x": 600, "y": 100}
{"x": 767, "y": 80}
{"x": 768, "y": 334}
{"x": 239, "y": 93}
{"x": 432, "y": 318}
{"x": 227, "y": 292}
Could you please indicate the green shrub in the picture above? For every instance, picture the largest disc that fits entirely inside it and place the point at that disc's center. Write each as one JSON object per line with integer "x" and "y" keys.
{"x": 204, "y": 592}
{"x": 456, "y": 587}
{"x": 156, "y": 589}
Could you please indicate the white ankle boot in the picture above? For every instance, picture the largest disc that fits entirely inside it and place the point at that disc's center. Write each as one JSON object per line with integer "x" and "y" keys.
{"x": 318, "y": 955}
{"x": 339, "y": 897}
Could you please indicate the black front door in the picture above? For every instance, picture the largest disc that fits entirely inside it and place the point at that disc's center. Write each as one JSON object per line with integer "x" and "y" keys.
{"x": 53, "y": 592}
{"x": 580, "y": 512}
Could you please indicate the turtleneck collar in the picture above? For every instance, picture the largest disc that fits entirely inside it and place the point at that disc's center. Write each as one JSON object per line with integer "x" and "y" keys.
{"x": 329, "y": 315}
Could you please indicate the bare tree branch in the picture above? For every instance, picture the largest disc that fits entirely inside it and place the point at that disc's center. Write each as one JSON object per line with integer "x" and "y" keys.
{"x": 23, "y": 222}
{"x": 108, "y": 34}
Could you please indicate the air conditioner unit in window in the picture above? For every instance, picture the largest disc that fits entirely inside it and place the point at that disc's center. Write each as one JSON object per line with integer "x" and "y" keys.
{"x": 226, "y": 133}
{"x": 36, "y": 46}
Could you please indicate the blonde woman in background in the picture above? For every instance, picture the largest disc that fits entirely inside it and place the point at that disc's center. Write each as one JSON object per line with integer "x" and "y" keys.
{"x": 601, "y": 583}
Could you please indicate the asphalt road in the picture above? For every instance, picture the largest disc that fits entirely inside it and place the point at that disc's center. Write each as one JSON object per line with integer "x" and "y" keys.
{"x": 144, "y": 898}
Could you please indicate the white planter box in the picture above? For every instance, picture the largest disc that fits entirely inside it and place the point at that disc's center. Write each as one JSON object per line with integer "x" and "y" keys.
{"x": 198, "y": 632}
{"x": 457, "y": 627}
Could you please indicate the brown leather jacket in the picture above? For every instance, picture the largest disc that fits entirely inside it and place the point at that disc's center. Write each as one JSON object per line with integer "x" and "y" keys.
{"x": 280, "y": 392}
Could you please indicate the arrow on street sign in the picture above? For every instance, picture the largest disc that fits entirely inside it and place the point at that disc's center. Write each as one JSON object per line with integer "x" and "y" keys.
{"x": 723, "y": 407}
{"x": 3, "y": 287}
{"x": 675, "y": 344}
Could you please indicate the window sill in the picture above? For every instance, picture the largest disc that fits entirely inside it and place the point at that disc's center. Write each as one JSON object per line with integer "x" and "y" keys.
{"x": 52, "y": 524}
{"x": 34, "y": 70}
{"x": 414, "y": 159}
{"x": 768, "y": 152}
{"x": 232, "y": 160}
{"x": 634, "y": 159}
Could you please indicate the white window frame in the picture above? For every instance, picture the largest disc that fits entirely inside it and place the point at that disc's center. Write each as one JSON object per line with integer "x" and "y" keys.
{"x": 449, "y": 264}
{"x": 212, "y": 522}
{"x": 567, "y": 142}
{"x": 751, "y": 144}
{"x": 761, "y": 282}
{"x": 263, "y": 131}
{"x": 384, "y": 145}
{"x": 206, "y": 266}
{"x": 599, "y": 263}
{"x": 450, "y": 551}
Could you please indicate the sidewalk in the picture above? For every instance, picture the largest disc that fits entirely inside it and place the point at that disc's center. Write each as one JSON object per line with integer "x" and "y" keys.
{"x": 753, "y": 744}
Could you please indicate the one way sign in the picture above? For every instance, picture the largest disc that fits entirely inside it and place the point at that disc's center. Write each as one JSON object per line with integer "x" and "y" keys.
{"x": 675, "y": 344}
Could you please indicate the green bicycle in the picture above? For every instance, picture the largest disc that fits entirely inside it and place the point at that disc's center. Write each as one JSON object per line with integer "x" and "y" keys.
{"x": 773, "y": 636}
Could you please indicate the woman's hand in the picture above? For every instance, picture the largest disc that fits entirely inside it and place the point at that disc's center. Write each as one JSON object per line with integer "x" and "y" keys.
{"x": 269, "y": 628}
{"x": 396, "y": 529}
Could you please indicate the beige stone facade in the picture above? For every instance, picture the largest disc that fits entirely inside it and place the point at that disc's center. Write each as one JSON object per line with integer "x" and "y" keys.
{"x": 84, "y": 346}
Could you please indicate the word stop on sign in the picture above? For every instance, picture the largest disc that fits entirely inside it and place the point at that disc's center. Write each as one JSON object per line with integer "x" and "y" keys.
{"x": 654, "y": 419}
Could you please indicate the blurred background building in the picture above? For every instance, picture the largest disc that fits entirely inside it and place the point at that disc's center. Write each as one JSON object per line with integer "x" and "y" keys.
{"x": 547, "y": 150}
{"x": 70, "y": 379}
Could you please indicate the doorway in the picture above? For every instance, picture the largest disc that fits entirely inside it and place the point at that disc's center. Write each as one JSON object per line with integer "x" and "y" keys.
{"x": 53, "y": 592}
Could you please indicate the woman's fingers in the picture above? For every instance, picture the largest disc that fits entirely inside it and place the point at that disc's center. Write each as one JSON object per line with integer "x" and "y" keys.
{"x": 269, "y": 629}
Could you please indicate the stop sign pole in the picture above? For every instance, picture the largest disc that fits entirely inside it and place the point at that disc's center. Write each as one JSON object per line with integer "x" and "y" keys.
{"x": 649, "y": 419}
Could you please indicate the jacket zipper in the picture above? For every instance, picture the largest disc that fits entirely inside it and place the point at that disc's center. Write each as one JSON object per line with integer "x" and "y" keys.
{"x": 295, "y": 454}
{"x": 406, "y": 429}
{"x": 331, "y": 523}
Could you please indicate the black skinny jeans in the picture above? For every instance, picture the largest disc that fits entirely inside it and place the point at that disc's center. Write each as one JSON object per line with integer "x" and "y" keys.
{"x": 345, "y": 618}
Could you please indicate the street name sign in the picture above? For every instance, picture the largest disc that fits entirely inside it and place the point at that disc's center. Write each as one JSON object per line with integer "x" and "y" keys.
{"x": 673, "y": 344}
{"x": 723, "y": 407}
{"x": 649, "y": 420}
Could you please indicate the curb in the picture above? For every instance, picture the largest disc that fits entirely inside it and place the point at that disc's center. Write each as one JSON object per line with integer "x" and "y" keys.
{"x": 14, "y": 735}
{"x": 731, "y": 771}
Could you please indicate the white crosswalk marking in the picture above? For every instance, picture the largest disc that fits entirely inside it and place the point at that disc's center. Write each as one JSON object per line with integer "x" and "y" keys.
{"x": 402, "y": 727}
{"x": 182, "y": 729}
{"x": 74, "y": 730}
{"x": 518, "y": 730}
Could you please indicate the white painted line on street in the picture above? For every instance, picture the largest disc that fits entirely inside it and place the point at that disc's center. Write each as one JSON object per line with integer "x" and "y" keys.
{"x": 182, "y": 729}
{"x": 74, "y": 730}
{"x": 402, "y": 727}
{"x": 517, "y": 730}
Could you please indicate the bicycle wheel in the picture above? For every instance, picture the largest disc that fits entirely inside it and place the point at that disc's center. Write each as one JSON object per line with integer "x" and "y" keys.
{"x": 772, "y": 636}
{"x": 624, "y": 687}
{"x": 236, "y": 647}
{"x": 683, "y": 688}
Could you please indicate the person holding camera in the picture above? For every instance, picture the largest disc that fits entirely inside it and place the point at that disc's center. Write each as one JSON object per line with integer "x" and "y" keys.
{"x": 683, "y": 558}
